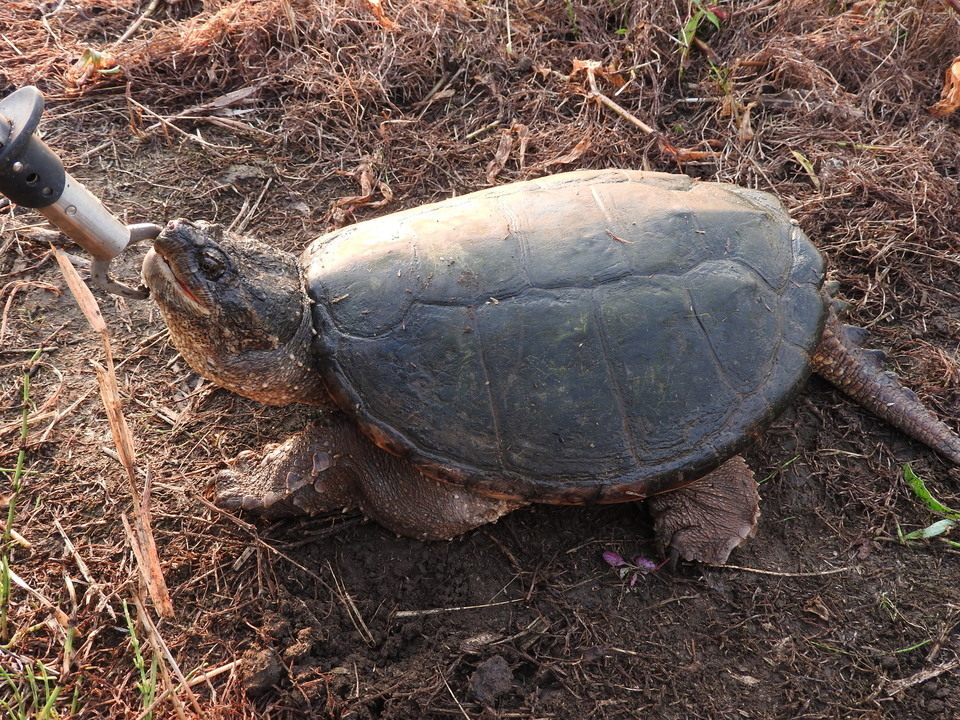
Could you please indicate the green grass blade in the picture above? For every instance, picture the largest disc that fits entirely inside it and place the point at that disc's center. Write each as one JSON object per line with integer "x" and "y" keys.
{"x": 919, "y": 488}
{"x": 938, "y": 528}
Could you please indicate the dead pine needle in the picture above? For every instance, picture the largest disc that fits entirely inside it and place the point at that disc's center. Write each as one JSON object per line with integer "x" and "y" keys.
{"x": 161, "y": 648}
{"x": 776, "y": 573}
{"x": 145, "y": 548}
{"x": 440, "y": 611}
{"x": 59, "y": 614}
{"x": 352, "y": 610}
{"x": 455, "y": 699}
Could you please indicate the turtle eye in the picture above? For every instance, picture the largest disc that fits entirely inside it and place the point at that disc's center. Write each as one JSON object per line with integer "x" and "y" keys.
{"x": 212, "y": 264}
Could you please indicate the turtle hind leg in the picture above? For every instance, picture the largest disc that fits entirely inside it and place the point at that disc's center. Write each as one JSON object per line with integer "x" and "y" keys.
{"x": 859, "y": 374}
{"x": 706, "y": 520}
{"x": 331, "y": 465}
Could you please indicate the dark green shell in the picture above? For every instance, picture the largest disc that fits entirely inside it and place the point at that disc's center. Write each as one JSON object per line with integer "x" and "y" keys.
{"x": 591, "y": 336}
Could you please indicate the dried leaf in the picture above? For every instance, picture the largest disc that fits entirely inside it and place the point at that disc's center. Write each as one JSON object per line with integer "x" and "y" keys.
{"x": 572, "y": 156}
{"x": 376, "y": 7}
{"x": 685, "y": 155}
{"x": 816, "y": 606}
{"x": 501, "y": 156}
{"x": 364, "y": 174}
{"x": 745, "y": 131}
{"x": 477, "y": 643}
{"x": 595, "y": 67}
{"x": 580, "y": 65}
{"x": 92, "y": 70}
{"x": 523, "y": 133}
{"x": 950, "y": 95}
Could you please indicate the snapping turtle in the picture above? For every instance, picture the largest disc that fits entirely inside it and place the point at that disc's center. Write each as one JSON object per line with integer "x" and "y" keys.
{"x": 595, "y": 336}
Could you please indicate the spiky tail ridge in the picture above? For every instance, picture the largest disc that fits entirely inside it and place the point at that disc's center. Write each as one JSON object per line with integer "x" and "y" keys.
{"x": 859, "y": 374}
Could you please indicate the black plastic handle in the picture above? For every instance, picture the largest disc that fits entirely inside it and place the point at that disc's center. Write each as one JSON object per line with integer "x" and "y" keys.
{"x": 30, "y": 173}
{"x": 33, "y": 176}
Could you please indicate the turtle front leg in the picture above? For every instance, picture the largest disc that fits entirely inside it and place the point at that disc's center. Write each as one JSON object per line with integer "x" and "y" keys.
{"x": 706, "y": 520}
{"x": 332, "y": 465}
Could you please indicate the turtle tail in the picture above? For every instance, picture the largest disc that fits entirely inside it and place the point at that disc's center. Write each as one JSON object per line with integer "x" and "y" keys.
{"x": 859, "y": 373}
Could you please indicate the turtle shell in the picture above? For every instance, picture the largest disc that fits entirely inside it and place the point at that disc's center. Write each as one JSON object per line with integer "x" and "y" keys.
{"x": 596, "y": 336}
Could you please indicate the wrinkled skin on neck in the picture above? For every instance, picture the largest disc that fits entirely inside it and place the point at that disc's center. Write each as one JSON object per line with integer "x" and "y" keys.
{"x": 237, "y": 311}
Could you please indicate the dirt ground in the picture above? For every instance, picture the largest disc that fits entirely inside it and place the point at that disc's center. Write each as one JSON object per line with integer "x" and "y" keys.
{"x": 286, "y": 118}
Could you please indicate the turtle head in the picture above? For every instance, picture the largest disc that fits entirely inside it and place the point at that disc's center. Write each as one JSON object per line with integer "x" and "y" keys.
{"x": 237, "y": 311}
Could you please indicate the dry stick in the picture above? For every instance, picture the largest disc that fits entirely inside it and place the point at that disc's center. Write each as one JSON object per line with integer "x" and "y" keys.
{"x": 450, "y": 690}
{"x": 159, "y": 645}
{"x": 291, "y": 21}
{"x": 59, "y": 614}
{"x": 167, "y": 124}
{"x": 72, "y": 549}
{"x": 229, "y": 124}
{"x": 775, "y": 573}
{"x": 480, "y": 131}
{"x": 14, "y": 535}
{"x": 134, "y": 26}
{"x": 240, "y": 222}
{"x": 618, "y": 109}
{"x": 202, "y": 677}
{"x": 665, "y": 146}
{"x": 146, "y": 549}
{"x": 218, "y": 103}
{"x": 438, "y": 611}
{"x": 895, "y": 687}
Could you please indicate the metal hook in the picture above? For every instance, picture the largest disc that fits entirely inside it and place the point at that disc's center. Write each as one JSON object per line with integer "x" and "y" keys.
{"x": 99, "y": 269}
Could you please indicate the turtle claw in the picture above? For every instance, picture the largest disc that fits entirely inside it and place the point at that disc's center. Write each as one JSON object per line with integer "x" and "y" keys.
{"x": 228, "y": 501}
{"x": 228, "y": 493}
{"x": 673, "y": 559}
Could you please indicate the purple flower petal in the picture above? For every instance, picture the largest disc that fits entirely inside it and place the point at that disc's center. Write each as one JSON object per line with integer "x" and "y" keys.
{"x": 614, "y": 559}
{"x": 645, "y": 566}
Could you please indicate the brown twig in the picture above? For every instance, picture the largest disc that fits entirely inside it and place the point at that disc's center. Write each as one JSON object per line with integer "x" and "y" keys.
{"x": 776, "y": 573}
{"x": 895, "y": 687}
{"x": 618, "y": 109}
{"x": 144, "y": 545}
{"x": 135, "y": 25}
{"x": 161, "y": 648}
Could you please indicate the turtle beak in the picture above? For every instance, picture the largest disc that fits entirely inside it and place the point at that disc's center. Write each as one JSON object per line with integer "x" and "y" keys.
{"x": 177, "y": 280}
{"x": 166, "y": 288}
{"x": 165, "y": 263}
